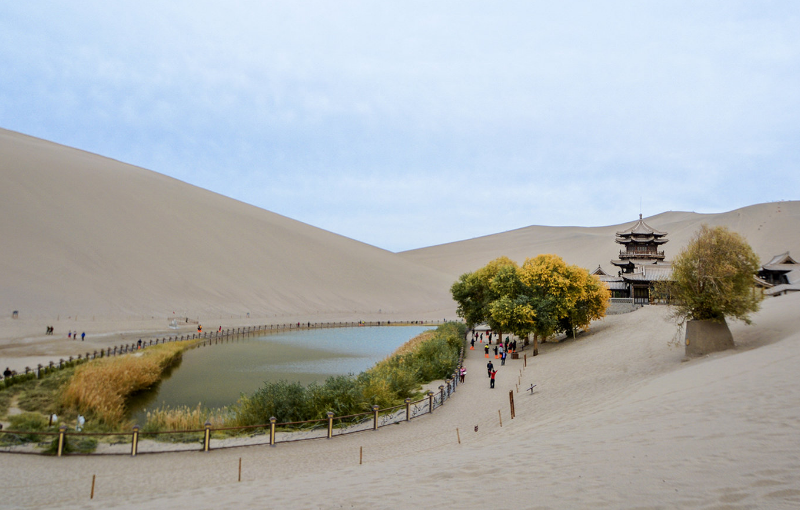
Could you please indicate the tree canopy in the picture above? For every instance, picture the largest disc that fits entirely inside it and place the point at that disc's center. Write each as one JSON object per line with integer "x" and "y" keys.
{"x": 545, "y": 296}
{"x": 712, "y": 277}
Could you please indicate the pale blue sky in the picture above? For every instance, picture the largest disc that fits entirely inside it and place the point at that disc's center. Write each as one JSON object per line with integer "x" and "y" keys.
{"x": 408, "y": 124}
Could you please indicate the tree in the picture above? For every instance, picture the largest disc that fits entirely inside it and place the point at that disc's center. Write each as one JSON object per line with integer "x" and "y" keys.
{"x": 474, "y": 293}
{"x": 564, "y": 297}
{"x": 712, "y": 277}
{"x": 545, "y": 296}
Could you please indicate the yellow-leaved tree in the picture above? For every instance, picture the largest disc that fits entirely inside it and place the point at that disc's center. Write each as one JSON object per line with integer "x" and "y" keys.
{"x": 544, "y": 296}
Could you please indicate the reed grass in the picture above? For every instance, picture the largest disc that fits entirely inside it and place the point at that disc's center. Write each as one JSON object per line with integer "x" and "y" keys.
{"x": 184, "y": 418}
{"x": 100, "y": 388}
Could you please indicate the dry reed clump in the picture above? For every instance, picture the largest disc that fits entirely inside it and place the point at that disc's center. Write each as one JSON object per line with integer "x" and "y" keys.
{"x": 100, "y": 388}
{"x": 184, "y": 418}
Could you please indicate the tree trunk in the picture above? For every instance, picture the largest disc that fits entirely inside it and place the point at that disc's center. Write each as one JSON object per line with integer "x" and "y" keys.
{"x": 535, "y": 344}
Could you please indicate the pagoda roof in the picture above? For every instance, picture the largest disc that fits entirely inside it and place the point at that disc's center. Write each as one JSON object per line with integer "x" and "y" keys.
{"x": 641, "y": 228}
{"x": 781, "y": 263}
{"x": 599, "y": 271}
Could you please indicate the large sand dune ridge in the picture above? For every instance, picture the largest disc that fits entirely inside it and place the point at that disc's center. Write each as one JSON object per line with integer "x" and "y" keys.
{"x": 87, "y": 235}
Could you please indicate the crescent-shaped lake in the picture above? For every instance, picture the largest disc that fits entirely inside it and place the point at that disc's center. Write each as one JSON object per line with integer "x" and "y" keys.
{"x": 216, "y": 375}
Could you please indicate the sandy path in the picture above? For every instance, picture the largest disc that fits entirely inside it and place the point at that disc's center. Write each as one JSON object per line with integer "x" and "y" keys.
{"x": 617, "y": 421}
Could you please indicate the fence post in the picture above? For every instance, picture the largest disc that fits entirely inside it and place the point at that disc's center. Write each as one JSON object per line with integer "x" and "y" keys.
{"x": 207, "y": 437}
{"x": 62, "y": 431}
{"x": 375, "y": 417}
{"x": 135, "y": 441}
{"x": 272, "y": 421}
{"x": 430, "y": 400}
{"x": 330, "y": 424}
{"x": 408, "y": 409}
{"x": 441, "y": 394}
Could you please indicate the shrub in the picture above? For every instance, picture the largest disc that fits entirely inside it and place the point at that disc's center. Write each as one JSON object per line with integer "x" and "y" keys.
{"x": 28, "y": 422}
{"x": 430, "y": 356}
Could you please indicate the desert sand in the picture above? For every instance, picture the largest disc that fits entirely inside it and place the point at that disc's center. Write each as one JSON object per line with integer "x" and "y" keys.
{"x": 618, "y": 419}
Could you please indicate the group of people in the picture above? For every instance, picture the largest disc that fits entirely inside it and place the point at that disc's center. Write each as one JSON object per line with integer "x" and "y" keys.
{"x": 49, "y": 330}
{"x": 74, "y": 334}
{"x": 501, "y": 350}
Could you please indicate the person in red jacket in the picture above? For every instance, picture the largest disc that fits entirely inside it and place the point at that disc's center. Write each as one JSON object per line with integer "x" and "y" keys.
{"x": 492, "y": 374}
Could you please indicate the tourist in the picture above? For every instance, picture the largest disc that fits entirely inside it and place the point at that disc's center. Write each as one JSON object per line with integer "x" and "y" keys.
{"x": 486, "y": 349}
{"x": 495, "y": 352}
{"x": 69, "y": 334}
{"x": 7, "y": 373}
{"x": 489, "y": 367}
{"x": 472, "y": 343}
{"x": 503, "y": 358}
{"x": 462, "y": 373}
{"x": 492, "y": 374}
{"x": 83, "y": 336}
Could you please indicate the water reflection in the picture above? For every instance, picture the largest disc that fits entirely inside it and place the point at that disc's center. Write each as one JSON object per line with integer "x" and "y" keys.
{"x": 216, "y": 375}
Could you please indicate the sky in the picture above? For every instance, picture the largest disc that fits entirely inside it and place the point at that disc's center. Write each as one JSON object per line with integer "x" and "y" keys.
{"x": 415, "y": 123}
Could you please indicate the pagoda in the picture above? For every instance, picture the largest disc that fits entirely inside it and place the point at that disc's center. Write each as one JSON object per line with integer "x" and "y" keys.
{"x": 641, "y": 243}
{"x": 641, "y": 264}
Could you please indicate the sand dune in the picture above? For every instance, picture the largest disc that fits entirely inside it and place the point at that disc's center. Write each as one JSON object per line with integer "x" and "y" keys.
{"x": 769, "y": 228}
{"x": 89, "y": 236}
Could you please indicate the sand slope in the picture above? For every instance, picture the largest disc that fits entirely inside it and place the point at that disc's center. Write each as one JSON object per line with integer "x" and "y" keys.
{"x": 87, "y": 235}
{"x": 769, "y": 228}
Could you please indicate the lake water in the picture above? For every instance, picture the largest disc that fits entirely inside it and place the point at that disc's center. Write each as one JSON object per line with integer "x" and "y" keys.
{"x": 216, "y": 375}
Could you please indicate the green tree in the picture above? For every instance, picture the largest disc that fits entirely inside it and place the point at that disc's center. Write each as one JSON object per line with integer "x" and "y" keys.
{"x": 474, "y": 292}
{"x": 712, "y": 277}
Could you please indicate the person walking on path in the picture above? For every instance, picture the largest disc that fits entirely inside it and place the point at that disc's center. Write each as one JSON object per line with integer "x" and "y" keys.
{"x": 462, "y": 373}
{"x": 486, "y": 349}
{"x": 489, "y": 368}
{"x": 503, "y": 358}
{"x": 83, "y": 336}
{"x": 472, "y": 343}
{"x": 492, "y": 374}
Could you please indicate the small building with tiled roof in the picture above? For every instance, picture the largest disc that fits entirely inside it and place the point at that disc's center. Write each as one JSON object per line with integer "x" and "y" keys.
{"x": 782, "y": 273}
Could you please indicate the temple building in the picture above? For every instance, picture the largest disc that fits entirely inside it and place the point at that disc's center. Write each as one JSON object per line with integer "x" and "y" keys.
{"x": 780, "y": 276}
{"x": 641, "y": 264}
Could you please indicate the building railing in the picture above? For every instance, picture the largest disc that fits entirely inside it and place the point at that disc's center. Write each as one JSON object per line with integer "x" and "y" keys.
{"x": 623, "y": 254}
{"x": 59, "y": 443}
